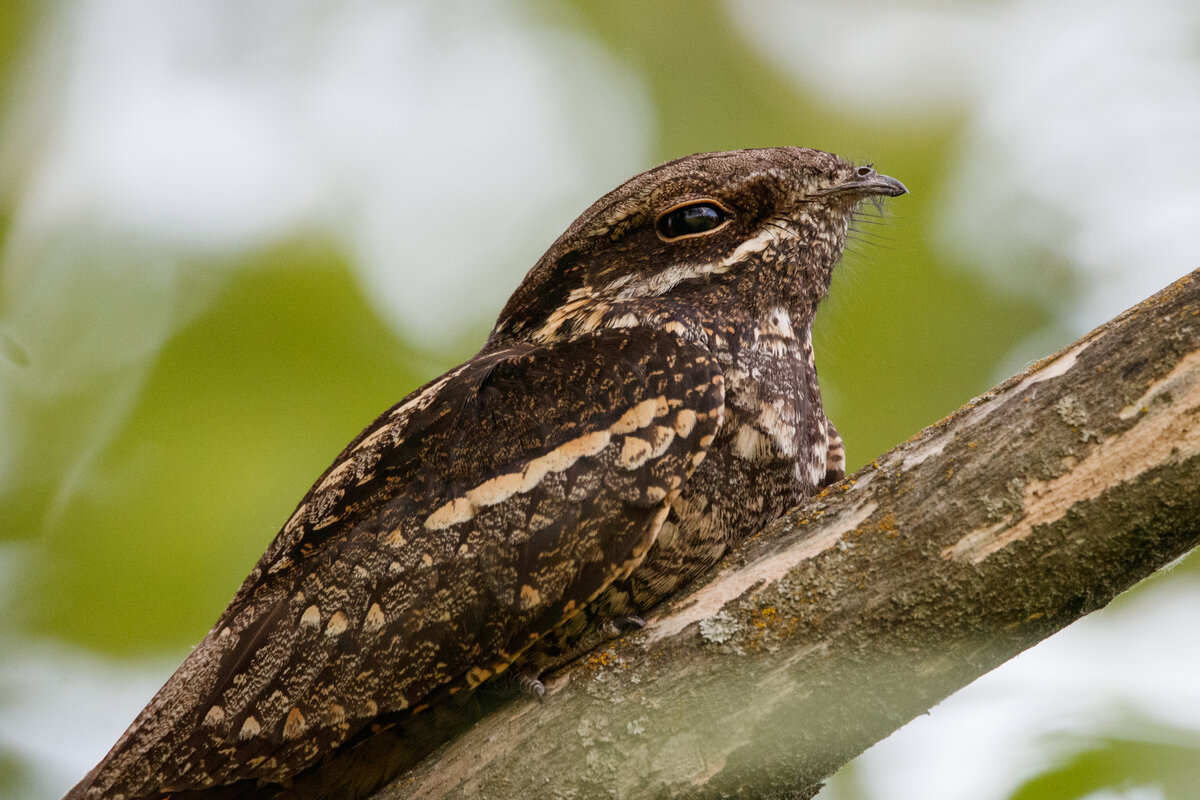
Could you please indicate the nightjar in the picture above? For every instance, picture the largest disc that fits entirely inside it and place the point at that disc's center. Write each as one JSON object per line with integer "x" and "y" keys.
{"x": 647, "y": 398}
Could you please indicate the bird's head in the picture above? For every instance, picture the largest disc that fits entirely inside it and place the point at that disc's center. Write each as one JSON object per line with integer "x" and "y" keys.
{"x": 766, "y": 225}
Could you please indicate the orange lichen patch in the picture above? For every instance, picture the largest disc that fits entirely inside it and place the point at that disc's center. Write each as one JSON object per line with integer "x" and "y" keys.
{"x": 604, "y": 658}
{"x": 763, "y": 617}
{"x": 887, "y": 525}
{"x": 768, "y": 622}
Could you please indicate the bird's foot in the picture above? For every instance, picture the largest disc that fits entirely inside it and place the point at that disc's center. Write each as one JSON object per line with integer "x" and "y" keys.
{"x": 615, "y": 627}
{"x": 529, "y": 684}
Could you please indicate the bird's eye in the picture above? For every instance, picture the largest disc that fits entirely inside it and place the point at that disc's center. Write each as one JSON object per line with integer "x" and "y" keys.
{"x": 690, "y": 220}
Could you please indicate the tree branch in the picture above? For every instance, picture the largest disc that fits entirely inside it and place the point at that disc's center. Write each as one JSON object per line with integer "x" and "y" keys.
{"x": 1033, "y": 505}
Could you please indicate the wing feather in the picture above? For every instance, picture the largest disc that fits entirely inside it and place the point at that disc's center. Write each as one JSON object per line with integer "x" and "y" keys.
{"x": 475, "y": 516}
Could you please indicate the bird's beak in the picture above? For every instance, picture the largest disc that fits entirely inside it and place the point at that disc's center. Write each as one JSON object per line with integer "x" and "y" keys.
{"x": 867, "y": 181}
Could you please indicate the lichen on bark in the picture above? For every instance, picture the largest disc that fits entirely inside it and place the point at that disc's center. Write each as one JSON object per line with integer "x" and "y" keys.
{"x": 1034, "y": 504}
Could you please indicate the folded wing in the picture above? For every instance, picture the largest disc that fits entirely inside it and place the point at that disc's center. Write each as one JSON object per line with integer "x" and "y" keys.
{"x": 466, "y": 522}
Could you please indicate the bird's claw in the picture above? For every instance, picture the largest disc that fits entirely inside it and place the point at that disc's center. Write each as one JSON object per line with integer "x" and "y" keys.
{"x": 615, "y": 627}
{"x": 529, "y": 684}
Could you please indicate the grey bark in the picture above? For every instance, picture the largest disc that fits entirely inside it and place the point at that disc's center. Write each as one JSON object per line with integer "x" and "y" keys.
{"x": 1034, "y": 504}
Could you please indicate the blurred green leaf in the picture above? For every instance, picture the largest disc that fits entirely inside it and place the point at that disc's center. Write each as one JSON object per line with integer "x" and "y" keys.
{"x": 903, "y": 341}
{"x": 18, "y": 20}
{"x": 13, "y": 778}
{"x": 244, "y": 409}
{"x": 1121, "y": 764}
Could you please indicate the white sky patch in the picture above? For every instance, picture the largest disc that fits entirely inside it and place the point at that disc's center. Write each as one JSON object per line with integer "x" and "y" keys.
{"x": 47, "y": 685}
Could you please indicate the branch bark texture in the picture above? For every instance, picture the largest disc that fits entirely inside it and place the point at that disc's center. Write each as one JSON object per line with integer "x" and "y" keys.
{"x": 1031, "y": 506}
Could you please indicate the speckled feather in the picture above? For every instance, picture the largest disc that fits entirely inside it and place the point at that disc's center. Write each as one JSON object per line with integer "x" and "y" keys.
{"x": 644, "y": 401}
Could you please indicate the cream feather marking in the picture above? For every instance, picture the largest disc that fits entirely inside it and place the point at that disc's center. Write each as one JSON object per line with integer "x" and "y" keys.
{"x": 766, "y": 237}
{"x": 659, "y": 283}
{"x": 295, "y": 725}
{"x": 634, "y": 453}
{"x": 375, "y": 619}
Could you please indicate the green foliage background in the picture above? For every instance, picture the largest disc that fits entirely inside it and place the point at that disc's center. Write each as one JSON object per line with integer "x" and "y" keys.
{"x": 256, "y": 394}
{"x": 286, "y": 360}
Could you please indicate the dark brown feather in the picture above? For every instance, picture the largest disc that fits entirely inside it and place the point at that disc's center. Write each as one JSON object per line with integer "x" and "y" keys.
{"x": 648, "y": 397}
{"x": 372, "y": 621}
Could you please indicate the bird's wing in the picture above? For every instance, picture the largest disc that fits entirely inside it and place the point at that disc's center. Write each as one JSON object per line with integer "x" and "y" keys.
{"x": 479, "y": 513}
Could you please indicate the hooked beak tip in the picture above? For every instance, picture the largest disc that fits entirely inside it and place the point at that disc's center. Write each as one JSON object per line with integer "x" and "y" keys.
{"x": 874, "y": 183}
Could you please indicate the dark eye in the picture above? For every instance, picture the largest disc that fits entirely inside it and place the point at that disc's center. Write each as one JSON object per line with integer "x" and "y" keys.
{"x": 691, "y": 219}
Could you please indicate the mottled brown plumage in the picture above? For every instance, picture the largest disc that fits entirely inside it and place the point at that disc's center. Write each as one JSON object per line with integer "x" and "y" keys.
{"x": 647, "y": 398}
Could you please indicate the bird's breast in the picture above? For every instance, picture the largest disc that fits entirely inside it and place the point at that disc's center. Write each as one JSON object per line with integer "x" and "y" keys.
{"x": 769, "y": 454}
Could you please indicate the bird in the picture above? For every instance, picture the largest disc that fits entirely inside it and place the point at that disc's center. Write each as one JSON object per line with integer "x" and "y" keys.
{"x": 647, "y": 398}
